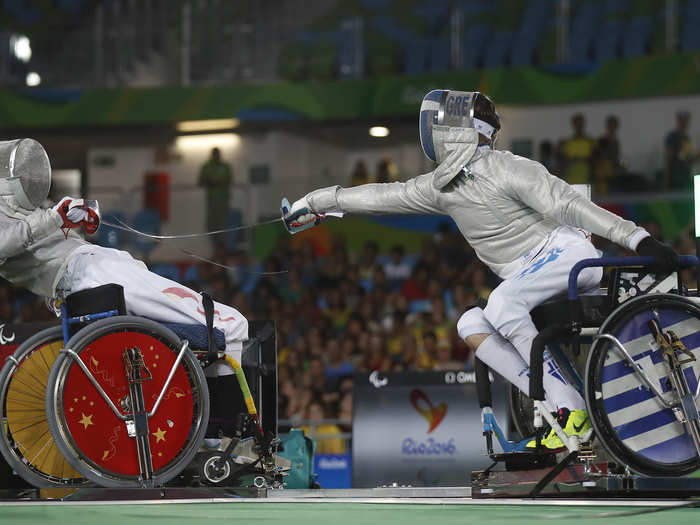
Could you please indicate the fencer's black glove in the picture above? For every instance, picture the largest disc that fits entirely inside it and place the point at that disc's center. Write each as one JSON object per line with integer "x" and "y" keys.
{"x": 665, "y": 258}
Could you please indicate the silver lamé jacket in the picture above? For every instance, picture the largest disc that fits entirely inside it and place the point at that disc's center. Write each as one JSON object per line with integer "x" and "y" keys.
{"x": 34, "y": 251}
{"x": 505, "y": 206}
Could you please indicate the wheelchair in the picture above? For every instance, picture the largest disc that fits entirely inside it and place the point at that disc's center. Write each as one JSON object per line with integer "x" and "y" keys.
{"x": 639, "y": 381}
{"x": 112, "y": 400}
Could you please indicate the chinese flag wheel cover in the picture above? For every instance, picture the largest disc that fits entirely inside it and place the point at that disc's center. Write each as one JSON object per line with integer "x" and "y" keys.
{"x": 102, "y": 437}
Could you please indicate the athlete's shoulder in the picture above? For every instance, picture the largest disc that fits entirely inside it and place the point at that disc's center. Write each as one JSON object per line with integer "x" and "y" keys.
{"x": 509, "y": 161}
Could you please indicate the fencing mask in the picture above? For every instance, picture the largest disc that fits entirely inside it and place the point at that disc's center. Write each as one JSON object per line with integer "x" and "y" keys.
{"x": 25, "y": 172}
{"x": 443, "y": 109}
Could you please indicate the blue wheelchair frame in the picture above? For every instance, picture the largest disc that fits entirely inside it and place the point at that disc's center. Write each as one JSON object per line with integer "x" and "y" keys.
{"x": 67, "y": 321}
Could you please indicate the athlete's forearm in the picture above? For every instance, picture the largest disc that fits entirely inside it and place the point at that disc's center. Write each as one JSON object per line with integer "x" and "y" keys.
{"x": 413, "y": 196}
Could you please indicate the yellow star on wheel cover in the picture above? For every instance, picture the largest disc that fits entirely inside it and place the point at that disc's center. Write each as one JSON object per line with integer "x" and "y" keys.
{"x": 160, "y": 435}
{"x": 86, "y": 421}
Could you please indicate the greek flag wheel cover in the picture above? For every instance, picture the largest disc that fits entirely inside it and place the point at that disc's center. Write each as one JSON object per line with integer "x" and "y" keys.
{"x": 632, "y": 424}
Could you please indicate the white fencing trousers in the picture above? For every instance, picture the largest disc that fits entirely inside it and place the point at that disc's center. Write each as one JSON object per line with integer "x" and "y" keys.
{"x": 534, "y": 281}
{"x": 149, "y": 295}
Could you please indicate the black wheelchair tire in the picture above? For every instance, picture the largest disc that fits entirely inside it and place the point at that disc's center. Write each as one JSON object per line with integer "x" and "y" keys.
{"x": 12, "y": 455}
{"x": 57, "y": 422}
{"x": 599, "y": 419}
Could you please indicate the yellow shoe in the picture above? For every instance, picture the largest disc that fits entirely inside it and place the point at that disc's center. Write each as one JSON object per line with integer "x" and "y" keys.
{"x": 574, "y": 423}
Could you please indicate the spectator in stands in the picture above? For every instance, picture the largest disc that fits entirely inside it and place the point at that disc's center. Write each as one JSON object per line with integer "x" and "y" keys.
{"x": 367, "y": 264}
{"x": 415, "y": 287}
{"x": 387, "y": 170}
{"x": 680, "y": 155}
{"x": 397, "y": 269}
{"x": 360, "y": 174}
{"x": 607, "y": 157}
{"x": 336, "y": 366}
{"x": 428, "y": 350}
{"x": 7, "y": 308}
{"x": 216, "y": 176}
{"x": 376, "y": 357}
{"x": 345, "y": 411}
{"x": 576, "y": 153}
{"x": 330, "y": 442}
{"x": 444, "y": 360}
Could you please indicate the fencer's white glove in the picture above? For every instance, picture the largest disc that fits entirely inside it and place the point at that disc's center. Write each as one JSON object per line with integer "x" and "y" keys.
{"x": 78, "y": 213}
{"x": 299, "y": 217}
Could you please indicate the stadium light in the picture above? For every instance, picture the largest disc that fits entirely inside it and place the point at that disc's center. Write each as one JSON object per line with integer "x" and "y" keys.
{"x": 33, "y": 79}
{"x": 21, "y": 48}
{"x": 207, "y": 125}
{"x": 379, "y": 131}
{"x": 207, "y": 141}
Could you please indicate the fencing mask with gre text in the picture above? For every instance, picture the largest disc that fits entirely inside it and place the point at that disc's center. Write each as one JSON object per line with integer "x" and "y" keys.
{"x": 25, "y": 172}
{"x": 443, "y": 110}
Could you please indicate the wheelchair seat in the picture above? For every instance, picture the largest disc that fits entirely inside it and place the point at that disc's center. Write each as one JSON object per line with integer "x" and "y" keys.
{"x": 594, "y": 309}
{"x": 196, "y": 334}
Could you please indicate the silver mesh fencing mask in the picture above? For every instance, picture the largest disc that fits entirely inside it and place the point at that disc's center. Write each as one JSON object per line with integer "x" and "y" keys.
{"x": 455, "y": 109}
{"x": 25, "y": 172}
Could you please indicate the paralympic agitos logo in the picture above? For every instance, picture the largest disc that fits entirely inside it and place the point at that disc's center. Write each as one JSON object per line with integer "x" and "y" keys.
{"x": 434, "y": 414}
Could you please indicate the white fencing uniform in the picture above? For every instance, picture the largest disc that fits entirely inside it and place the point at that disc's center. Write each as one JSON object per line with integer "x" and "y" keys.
{"x": 35, "y": 254}
{"x": 150, "y": 295}
{"x": 521, "y": 221}
{"x": 507, "y": 313}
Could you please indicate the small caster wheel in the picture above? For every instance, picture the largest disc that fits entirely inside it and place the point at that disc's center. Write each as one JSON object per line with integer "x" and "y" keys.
{"x": 215, "y": 468}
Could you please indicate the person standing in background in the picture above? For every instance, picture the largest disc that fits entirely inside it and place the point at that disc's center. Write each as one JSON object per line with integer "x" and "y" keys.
{"x": 680, "y": 155}
{"x": 607, "y": 157}
{"x": 359, "y": 174}
{"x": 576, "y": 153}
{"x": 387, "y": 171}
{"x": 216, "y": 176}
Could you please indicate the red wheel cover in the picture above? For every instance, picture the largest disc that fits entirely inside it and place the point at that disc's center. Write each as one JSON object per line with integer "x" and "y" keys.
{"x": 98, "y": 433}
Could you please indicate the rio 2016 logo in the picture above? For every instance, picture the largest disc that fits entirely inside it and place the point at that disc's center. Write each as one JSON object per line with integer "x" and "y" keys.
{"x": 433, "y": 414}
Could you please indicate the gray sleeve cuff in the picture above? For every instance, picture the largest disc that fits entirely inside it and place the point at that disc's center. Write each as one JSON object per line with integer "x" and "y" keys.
{"x": 43, "y": 223}
{"x": 324, "y": 200}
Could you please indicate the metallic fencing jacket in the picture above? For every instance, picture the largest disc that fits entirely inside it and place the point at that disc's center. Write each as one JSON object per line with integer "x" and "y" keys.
{"x": 504, "y": 205}
{"x": 34, "y": 251}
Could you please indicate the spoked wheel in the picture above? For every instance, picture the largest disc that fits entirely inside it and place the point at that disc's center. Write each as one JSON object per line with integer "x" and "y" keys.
{"x": 96, "y": 442}
{"x": 632, "y": 423}
{"x": 25, "y": 440}
{"x": 215, "y": 469}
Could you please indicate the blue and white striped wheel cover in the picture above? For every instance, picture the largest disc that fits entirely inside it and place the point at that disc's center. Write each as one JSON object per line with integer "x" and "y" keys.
{"x": 639, "y": 419}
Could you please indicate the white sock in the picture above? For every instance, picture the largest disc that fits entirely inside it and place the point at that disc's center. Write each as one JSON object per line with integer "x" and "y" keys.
{"x": 502, "y": 357}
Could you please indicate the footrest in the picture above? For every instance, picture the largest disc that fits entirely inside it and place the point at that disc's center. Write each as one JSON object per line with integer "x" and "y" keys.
{"x": 525, "y": 460}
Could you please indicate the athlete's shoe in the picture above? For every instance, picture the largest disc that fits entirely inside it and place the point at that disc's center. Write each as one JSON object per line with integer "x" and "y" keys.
{"x": 573, "y": 422}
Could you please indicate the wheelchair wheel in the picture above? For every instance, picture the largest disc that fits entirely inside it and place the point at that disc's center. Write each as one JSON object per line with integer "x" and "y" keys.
{"x": 25, "y": 440}
{"x": 92, "y": 438}
{"x": 631, "y": 422}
